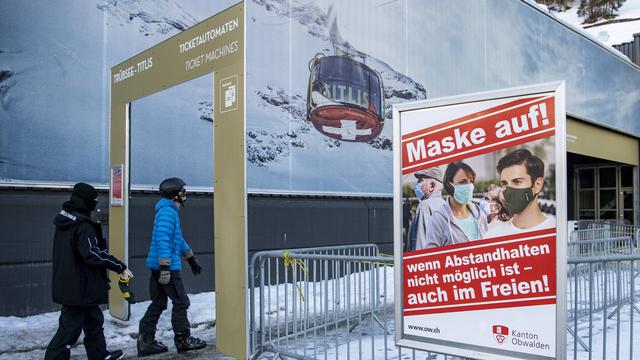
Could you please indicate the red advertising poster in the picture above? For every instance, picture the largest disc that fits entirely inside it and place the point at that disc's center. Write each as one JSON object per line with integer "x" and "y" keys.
{"x": 116, "y": 185}
{"x": 479, "y": 224}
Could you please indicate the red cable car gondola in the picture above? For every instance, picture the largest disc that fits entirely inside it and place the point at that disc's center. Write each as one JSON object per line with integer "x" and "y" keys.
{"x": 345, "y": 98}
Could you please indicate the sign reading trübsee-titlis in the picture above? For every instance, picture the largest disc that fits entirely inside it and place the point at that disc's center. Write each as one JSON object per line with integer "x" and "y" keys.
{"x": 479, "y": 249}
{"x": 214, "y": 42}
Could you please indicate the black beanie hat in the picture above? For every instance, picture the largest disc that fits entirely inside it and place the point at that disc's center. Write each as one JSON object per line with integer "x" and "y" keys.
{"x": 84, "y": 196}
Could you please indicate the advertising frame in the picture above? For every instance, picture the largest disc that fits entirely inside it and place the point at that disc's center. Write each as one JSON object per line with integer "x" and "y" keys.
{"x": 469, "y": 350}
{"x": 116, "y": 185}
{"x": 214, "y": 47}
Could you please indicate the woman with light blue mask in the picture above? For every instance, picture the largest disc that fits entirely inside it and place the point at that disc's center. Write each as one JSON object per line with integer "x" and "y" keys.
{"x": 459, "y": 220}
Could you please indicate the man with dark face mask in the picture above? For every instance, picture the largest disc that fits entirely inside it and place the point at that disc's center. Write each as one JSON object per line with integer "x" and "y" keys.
{"x": 521, "y": 179}
{"x": 80, "y": 262}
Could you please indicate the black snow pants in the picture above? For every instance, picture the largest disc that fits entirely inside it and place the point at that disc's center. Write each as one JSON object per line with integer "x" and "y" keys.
{"x": 74, "y": 320}
{"x": 158, "y": 294}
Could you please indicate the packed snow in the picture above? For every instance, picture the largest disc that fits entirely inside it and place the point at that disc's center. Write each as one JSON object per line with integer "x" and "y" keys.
{"x": 27, "y": 337}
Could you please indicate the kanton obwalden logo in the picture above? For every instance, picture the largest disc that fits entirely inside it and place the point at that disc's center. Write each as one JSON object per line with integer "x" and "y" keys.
{"x": 500, "y": 332}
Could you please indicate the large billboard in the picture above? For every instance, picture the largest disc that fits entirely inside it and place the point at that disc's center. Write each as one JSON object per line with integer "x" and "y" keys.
{"x": 321, "y": 79}
{"x": 315, "y": 123}
{"x": 481, "y": 251}
{"x": 54, "y": 90}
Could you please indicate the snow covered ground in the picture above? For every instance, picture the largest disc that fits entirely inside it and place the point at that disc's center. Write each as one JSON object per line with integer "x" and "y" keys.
{"x": 609, "y": 34}
{"x": 26, "y": 338}
{"x": 604, "y": 343}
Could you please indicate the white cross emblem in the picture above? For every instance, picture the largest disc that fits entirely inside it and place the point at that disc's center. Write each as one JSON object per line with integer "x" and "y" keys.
{"x": 347, "y": 130}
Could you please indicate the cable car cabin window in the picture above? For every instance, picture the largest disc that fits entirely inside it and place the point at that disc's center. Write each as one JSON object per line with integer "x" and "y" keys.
{"x": 349, "y": 82}
{"x": 343, "y": 69}
{"x": 376, "y": 97}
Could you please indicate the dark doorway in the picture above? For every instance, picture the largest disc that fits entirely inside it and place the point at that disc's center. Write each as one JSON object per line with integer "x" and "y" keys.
{"x": 600, "y": 189}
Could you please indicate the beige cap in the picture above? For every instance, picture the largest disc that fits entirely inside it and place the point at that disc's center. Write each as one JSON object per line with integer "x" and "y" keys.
{"x": 433, "y": 173}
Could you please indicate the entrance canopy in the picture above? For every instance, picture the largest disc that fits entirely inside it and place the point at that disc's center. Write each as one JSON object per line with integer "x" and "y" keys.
{"x": 594, "y": 141}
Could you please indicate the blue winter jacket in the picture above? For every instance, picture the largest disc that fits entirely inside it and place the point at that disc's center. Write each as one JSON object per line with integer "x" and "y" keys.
{"x": 167, "y": 242}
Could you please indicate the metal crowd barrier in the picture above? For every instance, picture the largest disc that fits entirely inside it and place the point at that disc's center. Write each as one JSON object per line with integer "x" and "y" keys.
{"x": 592, "y": 230}
{"x": 601, "y": 246}
{"x": 313, "y": 303}
{"x": 589, "y": 286}
{"x": 338, "y": 303}
{"x": 603, "y": 295}
{"x": 325, "y": 303}
{"x": 603, "y": 268}
{"x": 598, "y": 239}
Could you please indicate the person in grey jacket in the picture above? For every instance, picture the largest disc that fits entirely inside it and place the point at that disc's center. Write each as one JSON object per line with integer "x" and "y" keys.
{"x": 458, "y": 220}
{"x": 428, "y": 190}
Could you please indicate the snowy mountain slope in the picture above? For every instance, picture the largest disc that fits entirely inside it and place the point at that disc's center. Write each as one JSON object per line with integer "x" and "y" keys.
{"x": 6, "y": 82}
{"x": 606, "y": 31}
{"x": 155, "y": 16}
{"x": 283, "y": 146}
{"x": 54, "y": 73}
{"x": 264, "y": 146}
{"x": 54, "y": 82}
{"x": 51, "y": 93}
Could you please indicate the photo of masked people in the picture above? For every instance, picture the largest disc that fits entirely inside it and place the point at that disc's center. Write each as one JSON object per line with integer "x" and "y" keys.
{"x": 493, "y": 206}
{"x": 521, "y": 179}
{"x": 428, "y": 191}
{"x": 459, "y": 220}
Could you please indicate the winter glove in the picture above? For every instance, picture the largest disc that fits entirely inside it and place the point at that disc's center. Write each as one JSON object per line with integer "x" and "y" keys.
{"x": 165, "y": 275}
{"x": 126, "y": 274}
{"x": 123, "y": 284}
{"x": 196, "y": 269}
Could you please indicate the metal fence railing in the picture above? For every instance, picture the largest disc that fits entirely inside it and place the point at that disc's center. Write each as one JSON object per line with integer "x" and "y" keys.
{"x": 602, "y": 306}
{"x": 600, "y": 229}
{"x": 592, "y": 283}
{"x": 603, "y": 277}
{"x": 601, "y": 246}
{"x": 326, "y": 303}
{"x": 301, "y": 293}
{"x": 338, "y": 303}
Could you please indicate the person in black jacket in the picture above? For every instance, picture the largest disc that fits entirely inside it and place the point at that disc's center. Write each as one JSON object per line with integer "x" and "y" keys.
{"x": 80, "y": 283}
